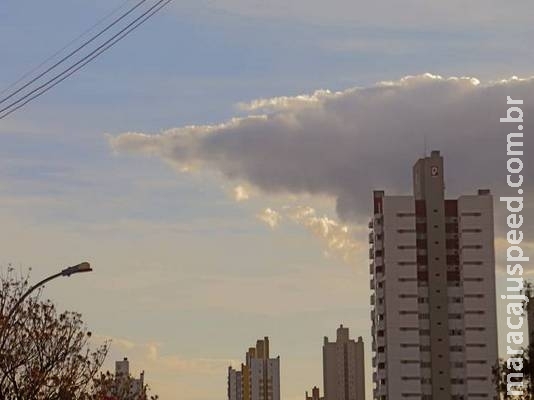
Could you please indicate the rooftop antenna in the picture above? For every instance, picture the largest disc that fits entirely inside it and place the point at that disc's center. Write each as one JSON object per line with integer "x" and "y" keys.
{"x": 424, "y": 144}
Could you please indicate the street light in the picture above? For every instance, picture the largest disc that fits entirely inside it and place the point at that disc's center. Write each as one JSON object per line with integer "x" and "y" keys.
{"x": 75, "y": 269}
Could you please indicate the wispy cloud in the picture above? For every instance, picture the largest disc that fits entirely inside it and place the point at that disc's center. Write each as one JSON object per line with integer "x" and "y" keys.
{"x": 159, "y": 365}
{"x": 270, "y": 217}
{"x": 339, "y": 239}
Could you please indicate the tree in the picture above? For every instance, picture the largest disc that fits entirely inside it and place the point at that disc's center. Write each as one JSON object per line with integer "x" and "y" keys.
{"x": 501, "y": 370}
{"x": 44, "y": 354}
{"x": 113, "y": 387}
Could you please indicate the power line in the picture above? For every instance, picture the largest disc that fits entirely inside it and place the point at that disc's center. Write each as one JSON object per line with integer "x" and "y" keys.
{"x": 95, "y": 52}
{"x": 92, "y": 39}
{"x": 66, "y": 46}
{"x": 58, "y": 78}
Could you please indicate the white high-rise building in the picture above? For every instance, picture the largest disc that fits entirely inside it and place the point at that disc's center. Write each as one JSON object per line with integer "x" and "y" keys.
{"x": 343, "y": 367}
{"x": 259, "y": 378}
{"x": 235, "y": 384}
{"x": 125, "y": 384}
{"x": 433, "y": 291}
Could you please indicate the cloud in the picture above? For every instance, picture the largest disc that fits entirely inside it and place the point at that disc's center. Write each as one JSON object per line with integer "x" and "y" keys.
{"x": 285, "y": 102}
{"x": 149, "y": 356}
{"x": 338, "y": 238}
{"x": 241, "y": 193}
{"x": 270, "y": 217}
{"x": 345, "y": 144}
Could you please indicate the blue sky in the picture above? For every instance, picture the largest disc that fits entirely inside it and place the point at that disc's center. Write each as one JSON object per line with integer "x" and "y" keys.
{"x": 186, "y": 278}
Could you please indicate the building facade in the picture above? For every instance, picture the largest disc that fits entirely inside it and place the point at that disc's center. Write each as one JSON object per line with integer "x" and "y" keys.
{"x": 125, "y": 385}
{"x": 343, "y": 367}
{"x": 259, "y": 377}
{"x": 315, "y": 394}
{"x": 235, "y": 384}
{"x": 433, "y": 306}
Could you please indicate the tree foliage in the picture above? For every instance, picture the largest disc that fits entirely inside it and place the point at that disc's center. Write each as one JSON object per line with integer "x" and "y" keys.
{"x": 112, "y": 387}
{"x": 44, "y": 353}
{"x": 500, "y": 376}
{"x": 47, "y": 355}
{"x": 501, "y": 370}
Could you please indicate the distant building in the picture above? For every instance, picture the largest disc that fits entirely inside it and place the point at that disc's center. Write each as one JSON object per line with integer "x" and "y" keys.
{"x": 235, "y": 384}
{"x": 259, "y": 378}
{"x": 343, "y": 367}
{"x": 125, "y": 384}
{"x": 315, "y": 395}
{"x": 433, "y": 281}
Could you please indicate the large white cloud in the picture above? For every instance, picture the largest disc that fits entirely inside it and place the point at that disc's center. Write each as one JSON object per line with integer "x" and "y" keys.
{"x": 346, "y": 144}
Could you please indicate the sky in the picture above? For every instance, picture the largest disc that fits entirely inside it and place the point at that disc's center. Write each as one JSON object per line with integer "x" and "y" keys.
{"x": 216, "y": 166}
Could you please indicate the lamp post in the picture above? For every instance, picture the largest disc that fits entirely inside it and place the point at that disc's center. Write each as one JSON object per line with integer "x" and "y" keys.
{"x": 75, "y": 269}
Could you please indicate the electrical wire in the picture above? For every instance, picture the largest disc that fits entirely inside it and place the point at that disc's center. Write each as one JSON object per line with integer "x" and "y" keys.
{"x": 66, "y": 46}
{"x": 58, "y": 79}
{"x": 92, "y": 39}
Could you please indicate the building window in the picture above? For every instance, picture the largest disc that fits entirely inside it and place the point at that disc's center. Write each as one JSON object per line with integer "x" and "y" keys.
{"x": 405, "y": 230}
{"x": 471, "y": 214}
{"x": 405, "y": 214}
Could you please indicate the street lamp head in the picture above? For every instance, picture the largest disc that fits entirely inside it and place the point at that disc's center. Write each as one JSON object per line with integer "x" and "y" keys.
{"x": 75, "y": 269}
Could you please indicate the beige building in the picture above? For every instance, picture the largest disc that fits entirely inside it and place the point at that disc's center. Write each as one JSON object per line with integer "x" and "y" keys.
{"x": 343, "y": 367}
{"x": 259, "y": 378}
{"x": 315, "y": 394}
{"x": 433, "y": 291}
{"x": 125, "y": 385}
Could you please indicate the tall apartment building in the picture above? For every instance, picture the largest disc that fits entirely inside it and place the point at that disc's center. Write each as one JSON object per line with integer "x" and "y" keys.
{"x": 235, "y": 384}
{"x": 343, "y": 367}
{"x": 433, "y": 291}
{"x": 125, "y": 385}
{"x": 259, "y": 378}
